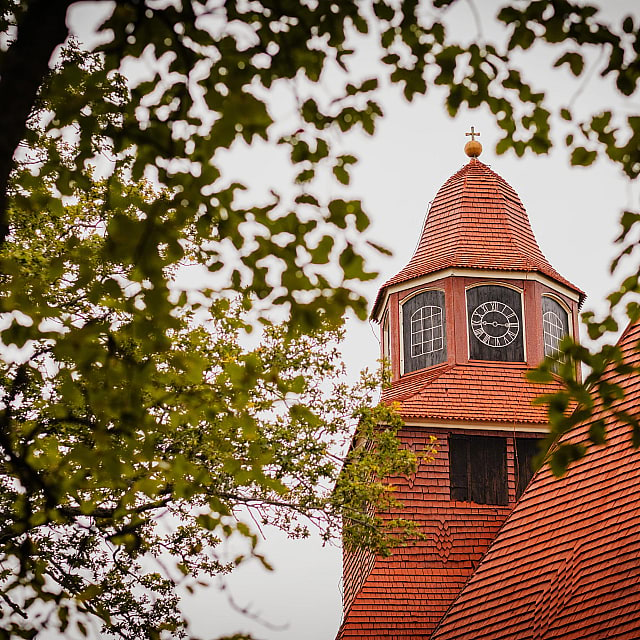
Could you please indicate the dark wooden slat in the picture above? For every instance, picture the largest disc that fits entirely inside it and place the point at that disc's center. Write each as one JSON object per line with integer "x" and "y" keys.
{"x": 494, "y": 470}
{"x": 412, "y": 361}
{"x": 526, "y": 450}
{"x": 459, "y": 468}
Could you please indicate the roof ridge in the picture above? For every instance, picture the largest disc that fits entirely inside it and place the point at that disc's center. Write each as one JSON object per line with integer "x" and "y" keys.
{"x": 458, "y": 207}
{"x": 455, "y": 208}
{"x": 504, "y": 185}
{"x": 423, "y": 379}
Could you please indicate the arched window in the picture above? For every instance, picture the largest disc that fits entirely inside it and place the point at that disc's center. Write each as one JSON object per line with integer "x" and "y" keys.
{"x": 386, "y": 337}
{"x": 427, "y": 331}
{"x": 555, "y": 325}
{"x": 424, "y": 333}
{"x": 554, "y": 331}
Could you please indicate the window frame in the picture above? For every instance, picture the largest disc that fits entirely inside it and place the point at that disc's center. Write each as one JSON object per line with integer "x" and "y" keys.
{"x": 386, "y": 336}
{"x": 564, "y": 307}
{"x": 522, "y": 319}
{"x": 401, "y": 318}
{"x": 481, "y": 484}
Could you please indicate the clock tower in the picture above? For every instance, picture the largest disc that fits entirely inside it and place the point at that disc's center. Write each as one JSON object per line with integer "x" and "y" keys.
{"x": 476, "y": 306}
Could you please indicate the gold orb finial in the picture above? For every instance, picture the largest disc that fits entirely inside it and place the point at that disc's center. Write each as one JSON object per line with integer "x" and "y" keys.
{"x": 473, "y": 148}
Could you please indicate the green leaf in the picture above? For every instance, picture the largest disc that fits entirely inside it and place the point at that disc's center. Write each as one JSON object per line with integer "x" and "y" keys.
{"x": 582, "y": 157}
{"x": 379, "y": 248}
{"x": 89, "y": 592}
{"x": 540, "y": 375}
{"x": 564, "y": 455}
{"x": 574, "y": 60}
{"x": 597, "y": 432}
{"x": 341, "y": 174}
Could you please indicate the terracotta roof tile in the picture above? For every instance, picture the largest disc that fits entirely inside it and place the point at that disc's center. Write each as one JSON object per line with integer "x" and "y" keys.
{"x": 486, "y": 392}
{"x": 566, "y": 563}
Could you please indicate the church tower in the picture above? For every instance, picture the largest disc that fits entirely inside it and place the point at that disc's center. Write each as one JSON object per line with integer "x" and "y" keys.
{"x": 476, "y": 306}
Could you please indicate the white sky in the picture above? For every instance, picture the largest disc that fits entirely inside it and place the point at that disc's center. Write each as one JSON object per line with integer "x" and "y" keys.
{"x": 573, "y": 212}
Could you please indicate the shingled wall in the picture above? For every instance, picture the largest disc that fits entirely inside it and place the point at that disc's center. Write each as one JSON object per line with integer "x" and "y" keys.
{"x": 405, "y": 596}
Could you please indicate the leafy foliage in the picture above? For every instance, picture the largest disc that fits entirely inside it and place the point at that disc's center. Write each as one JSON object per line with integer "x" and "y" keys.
{"x": 142, "y": 421}
{"x": 134, "y": 439}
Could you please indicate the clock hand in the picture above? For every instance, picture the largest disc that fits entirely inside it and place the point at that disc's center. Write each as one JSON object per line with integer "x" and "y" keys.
{"x": 500, "y": 324}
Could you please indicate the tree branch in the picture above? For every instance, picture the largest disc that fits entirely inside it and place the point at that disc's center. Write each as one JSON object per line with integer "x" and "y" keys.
{"x": 108, "y": 512}
{"x": 13, "y": 605}
{"x": 15, "y": 530}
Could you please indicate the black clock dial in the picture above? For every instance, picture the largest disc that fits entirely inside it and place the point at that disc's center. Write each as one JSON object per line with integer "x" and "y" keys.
{"x": 495, "y": 324}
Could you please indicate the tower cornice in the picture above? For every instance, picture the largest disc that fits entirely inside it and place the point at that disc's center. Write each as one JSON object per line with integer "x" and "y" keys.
{"x": 491, "y": 274}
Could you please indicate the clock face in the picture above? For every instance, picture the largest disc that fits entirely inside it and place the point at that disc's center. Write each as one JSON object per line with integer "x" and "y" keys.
{"x": 495, "y": 323}
{"x": 494, "y": 316}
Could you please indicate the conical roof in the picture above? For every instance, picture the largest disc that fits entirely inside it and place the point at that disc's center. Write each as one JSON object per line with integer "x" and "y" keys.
{"x": 476, "y": 221}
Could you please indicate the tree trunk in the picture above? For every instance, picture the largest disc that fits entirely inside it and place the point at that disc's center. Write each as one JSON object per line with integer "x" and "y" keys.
{"x": 42, "y": 27}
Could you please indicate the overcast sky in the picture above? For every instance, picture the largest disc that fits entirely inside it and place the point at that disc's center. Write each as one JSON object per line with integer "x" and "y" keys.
{"x": 573, "y": 212}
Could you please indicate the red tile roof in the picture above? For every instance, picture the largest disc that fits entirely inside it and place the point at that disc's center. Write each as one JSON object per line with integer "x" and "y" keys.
{"x": 477, "y": 391}
{"x": 476, "y": 221}
{"x": 566, "y": 564}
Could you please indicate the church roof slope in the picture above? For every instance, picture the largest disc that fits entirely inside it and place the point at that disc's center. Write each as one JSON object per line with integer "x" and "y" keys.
{"x": 566, "y": 563}
{"x": 476, "y": 221}
{"x": 476, "y": 391}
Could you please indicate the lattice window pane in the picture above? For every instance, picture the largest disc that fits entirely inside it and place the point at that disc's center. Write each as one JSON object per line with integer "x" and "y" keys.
{"x": 554, "y": 330}
{"x": 427, "y": 331}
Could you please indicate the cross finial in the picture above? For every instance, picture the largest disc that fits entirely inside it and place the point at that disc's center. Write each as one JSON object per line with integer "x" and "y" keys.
{"x": 473, "y": 133}
{"x": 473, "y": 148}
